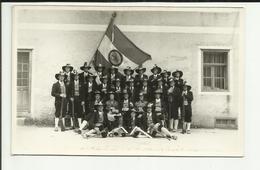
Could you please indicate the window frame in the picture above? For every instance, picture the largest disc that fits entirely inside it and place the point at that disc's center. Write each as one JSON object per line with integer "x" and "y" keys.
{"x": 30, "y": 51}
{"x": 201, "y": 49}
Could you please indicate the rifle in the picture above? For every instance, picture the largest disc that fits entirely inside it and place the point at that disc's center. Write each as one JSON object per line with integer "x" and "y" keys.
{"x": 140, "y": 130}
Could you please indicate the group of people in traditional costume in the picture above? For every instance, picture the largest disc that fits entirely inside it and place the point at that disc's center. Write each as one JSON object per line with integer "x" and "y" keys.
{"x": 108, "y": 103}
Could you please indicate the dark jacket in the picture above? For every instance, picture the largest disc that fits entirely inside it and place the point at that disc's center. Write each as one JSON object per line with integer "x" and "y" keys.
{"x": 139, "y": 80}
{"x": 56, "y": 91}
{"x": 188, "y": 96}
{"x": 153, "y": 81}
{"x": 93, "y": 117}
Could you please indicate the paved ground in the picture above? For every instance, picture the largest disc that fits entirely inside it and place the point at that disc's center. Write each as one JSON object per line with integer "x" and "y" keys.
{"x": 202, "y": 142}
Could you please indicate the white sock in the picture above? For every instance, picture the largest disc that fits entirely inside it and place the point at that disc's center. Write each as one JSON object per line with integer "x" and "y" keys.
{"x": 63, "y": 121}
{"x": 184, "y": 125}
{"x": 71, "y": 122}
{"x": 79, "y": 120}
{"x": 176, "y": 122}
{"x": 83, "y": 124}
{"x": 171, "y": 124}
{"x": 56, "y": 120}
{"x": 165, "y": 131}
{"x": 188, "y": 126}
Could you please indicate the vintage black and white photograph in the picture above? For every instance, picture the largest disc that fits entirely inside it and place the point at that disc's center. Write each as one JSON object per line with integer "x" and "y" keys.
{"x": 126, "y": 80}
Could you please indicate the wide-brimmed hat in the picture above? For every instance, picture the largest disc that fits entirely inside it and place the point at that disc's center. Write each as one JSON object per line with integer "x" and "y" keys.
{"x": 59, "y": 74}
{"x": 156, "y": 67}
{"x": 129, "y": 69}
{"x": 113, "y": 68}
{"x": 177, "y": 71}
{"x": 188, "y": 87}
{"x": 67, "y": 65}
{"x": 140, "y": 69}
{"x": 99, "y": 66}
{"x": 166, "y": 72}
{"x": 85, "y": 66}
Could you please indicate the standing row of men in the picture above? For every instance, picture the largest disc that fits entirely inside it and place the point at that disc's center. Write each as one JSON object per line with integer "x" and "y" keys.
{"x": 109, "y": 103}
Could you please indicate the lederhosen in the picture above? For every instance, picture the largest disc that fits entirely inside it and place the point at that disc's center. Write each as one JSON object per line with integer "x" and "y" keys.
{"x": 60, "y": 103}
{"x": 127, "y": 119}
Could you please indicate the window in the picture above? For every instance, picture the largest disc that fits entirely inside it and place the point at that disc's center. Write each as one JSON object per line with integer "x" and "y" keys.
{"x": 215, "y": 70}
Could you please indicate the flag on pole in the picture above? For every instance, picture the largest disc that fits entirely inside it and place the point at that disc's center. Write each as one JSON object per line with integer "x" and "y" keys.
{"x": 117, "y": 50}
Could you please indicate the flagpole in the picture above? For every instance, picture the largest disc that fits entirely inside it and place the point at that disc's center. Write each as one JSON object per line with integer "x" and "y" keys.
{"x": 110, "y": 22}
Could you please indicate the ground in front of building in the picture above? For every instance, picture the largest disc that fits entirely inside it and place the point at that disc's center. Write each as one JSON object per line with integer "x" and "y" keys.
{"x": 201, "y": 142}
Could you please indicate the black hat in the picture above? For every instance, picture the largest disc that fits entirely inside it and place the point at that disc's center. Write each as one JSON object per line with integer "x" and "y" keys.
{"x": 100, "y": 66}
{"x": 104, "y": 134}
{"x": 177, "y": 71}
{"x": 188, "y": 87}
{"x": 59, "y": 74}
{"x": 140, "y": 69}
{"x": 129, "y": 68}
{"x": 113, "y": 68}
{"x": 67, "y": 65}
{"x": 156, "y": 67}
{"x": 85, "y": 66}
{"x": 166, "y": 72}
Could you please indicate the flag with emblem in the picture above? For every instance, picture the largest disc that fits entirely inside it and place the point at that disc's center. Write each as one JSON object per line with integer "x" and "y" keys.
{"x": 117, "y": 50}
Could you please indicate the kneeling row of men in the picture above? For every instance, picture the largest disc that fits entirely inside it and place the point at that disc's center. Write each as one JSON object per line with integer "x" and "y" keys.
{"x": 166, "y": 98}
